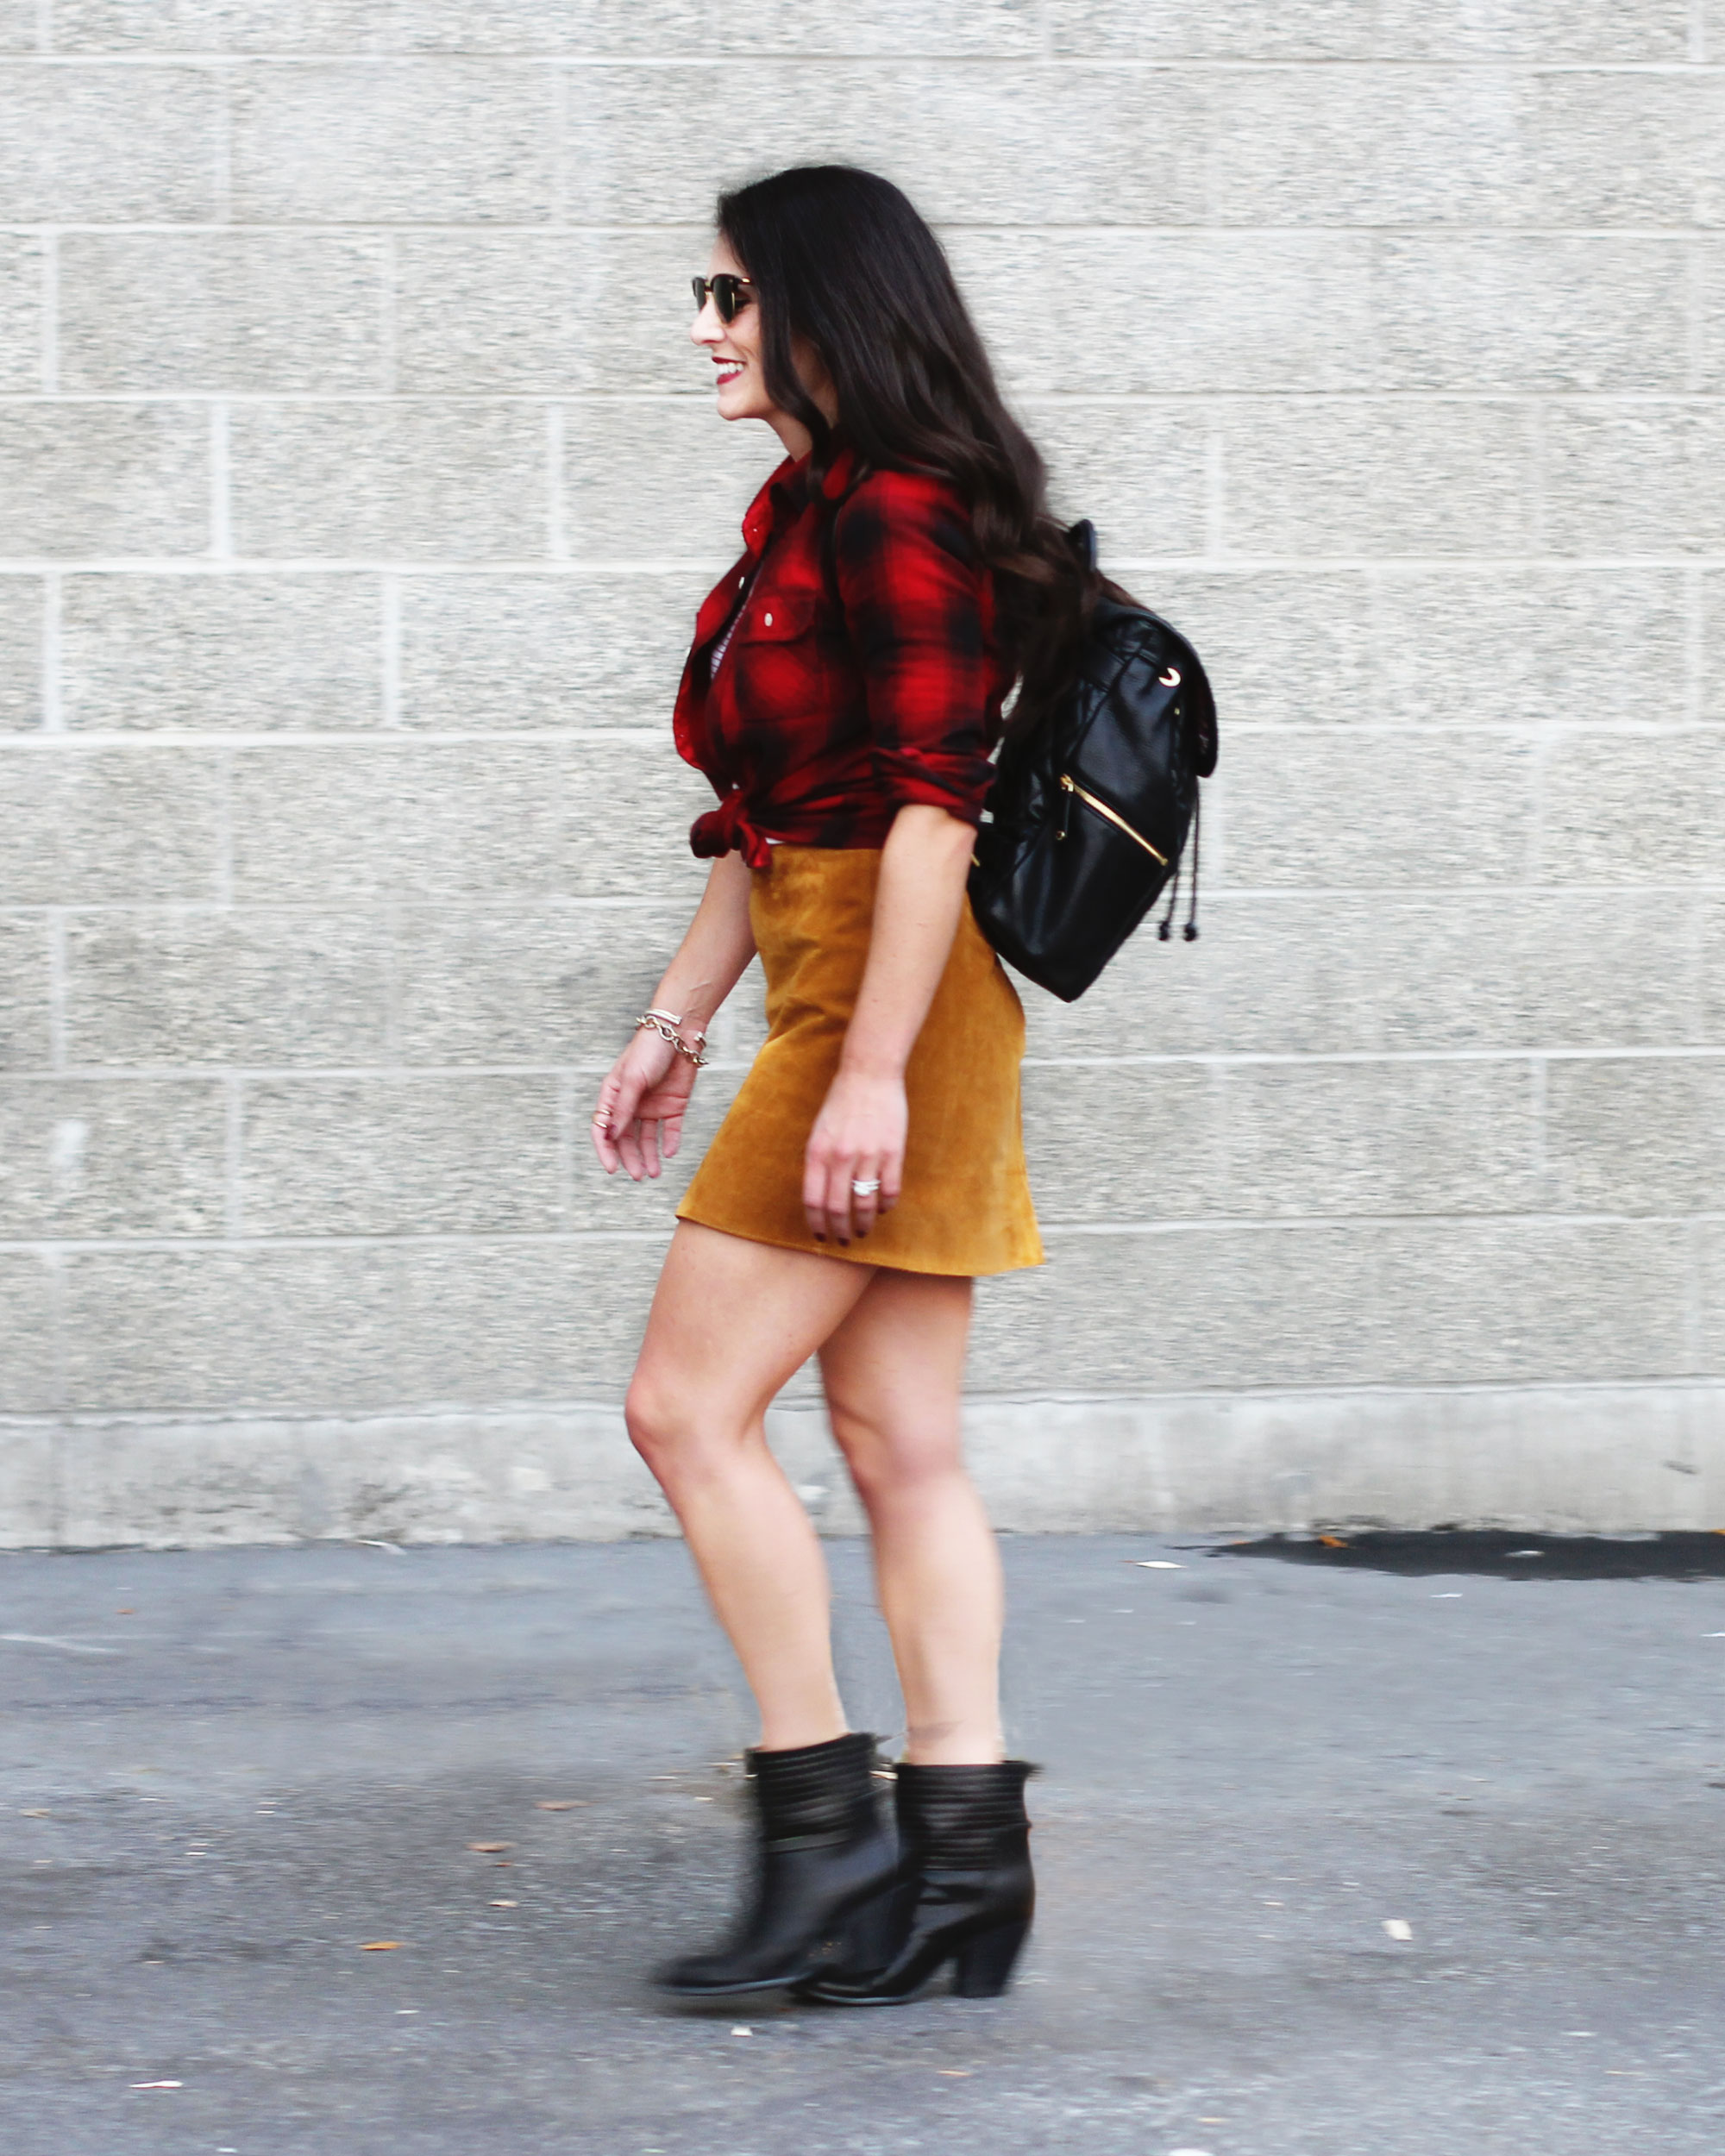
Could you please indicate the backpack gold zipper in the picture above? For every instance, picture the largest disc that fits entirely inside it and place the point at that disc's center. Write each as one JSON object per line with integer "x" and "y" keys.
{"x": 1071, "y": 786}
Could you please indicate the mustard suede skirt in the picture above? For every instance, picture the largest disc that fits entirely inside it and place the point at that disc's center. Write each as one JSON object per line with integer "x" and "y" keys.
{"x": 965, "y": 1207}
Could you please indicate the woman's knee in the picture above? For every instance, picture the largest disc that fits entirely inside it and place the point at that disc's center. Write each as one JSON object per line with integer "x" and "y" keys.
{"x": 659, "y": 1423}
{"x": 896, "y": 1463}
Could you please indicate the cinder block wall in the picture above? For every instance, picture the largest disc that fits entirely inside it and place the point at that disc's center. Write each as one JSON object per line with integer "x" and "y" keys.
{"x": 356, "y": 484}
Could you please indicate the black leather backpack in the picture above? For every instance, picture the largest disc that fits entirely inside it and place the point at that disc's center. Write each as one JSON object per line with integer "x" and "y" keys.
{"x": 1087, "y": 819}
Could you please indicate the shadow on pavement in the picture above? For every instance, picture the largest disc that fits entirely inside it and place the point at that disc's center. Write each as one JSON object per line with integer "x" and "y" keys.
{"x": 1500, "y": 1555}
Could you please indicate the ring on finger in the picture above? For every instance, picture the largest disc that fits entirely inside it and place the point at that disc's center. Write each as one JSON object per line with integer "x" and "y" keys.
{"x": 867, "y": 1187}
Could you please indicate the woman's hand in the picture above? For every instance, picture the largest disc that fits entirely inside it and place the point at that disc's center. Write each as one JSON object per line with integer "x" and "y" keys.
{"x": 858, "y": 1137}
{"x": 639, "y": 1117}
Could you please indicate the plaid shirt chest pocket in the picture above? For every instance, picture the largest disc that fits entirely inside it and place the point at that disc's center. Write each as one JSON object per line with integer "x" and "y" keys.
{"x": 785, "y": 662}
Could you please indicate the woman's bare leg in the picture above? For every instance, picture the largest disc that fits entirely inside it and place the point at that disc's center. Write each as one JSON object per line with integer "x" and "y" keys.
{"x": 893, "y": 1371}
{"x": 731, "y": 1322}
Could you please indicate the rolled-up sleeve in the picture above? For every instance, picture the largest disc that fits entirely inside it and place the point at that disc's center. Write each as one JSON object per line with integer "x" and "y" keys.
{"x": 913, "y": 590}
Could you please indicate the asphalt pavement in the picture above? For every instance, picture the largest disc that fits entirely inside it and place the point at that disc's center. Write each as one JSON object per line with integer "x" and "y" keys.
{"x": 350, "y": 1851}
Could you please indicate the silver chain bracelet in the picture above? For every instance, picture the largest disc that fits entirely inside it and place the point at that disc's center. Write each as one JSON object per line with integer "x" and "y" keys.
{"x": 662, "y": 1024}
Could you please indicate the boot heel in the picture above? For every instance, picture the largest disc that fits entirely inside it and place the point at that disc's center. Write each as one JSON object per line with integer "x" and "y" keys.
{"x": 985, "y": 1962}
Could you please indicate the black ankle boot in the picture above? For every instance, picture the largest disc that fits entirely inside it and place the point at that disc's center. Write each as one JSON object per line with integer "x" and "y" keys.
{"x": 823, "y": 1878}
{"x": 965, "y": 1891}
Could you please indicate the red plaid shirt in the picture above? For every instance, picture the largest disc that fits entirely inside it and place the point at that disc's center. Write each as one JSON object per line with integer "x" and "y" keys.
{"x": 861, "y": 674}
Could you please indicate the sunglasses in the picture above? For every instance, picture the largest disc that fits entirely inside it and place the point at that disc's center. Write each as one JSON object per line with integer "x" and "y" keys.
{"x": 731, "y": 295}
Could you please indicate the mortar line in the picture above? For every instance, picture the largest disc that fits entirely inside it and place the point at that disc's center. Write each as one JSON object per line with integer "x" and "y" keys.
{"x": 1216, "y": 1223}
{"x": 50, "y": 298}
{"x": 45, "y": 26}
{"x": 1697, "y": 32}
{"x": 52, "y": 710}
{"x": 400, "y": 1073}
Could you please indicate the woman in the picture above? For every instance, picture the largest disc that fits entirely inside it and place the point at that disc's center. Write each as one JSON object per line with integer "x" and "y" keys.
{"x": 843, "y": 694}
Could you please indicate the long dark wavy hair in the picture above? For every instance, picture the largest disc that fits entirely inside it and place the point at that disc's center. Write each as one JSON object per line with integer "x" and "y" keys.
{"x": 839, "y": 257}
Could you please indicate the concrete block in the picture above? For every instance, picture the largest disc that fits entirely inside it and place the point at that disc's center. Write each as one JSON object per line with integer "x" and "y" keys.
{"x": 1124, "y": 1141}
{"x": 104, "y": 478}
{"x": 822, "y": 30}
{"x": 23, "y": 992}
{"x": 105, "y": 826}
{"x": 30, "y": 1511}
{"x": 1638, "y": 479}
{"x": 1187, "y": 29}
{"x": 1537, "y": 30}
{"x": 235, "y": 654}
{"x": 1007, "y": 145}
{"x": 1593, "y": 1459}
{"x": 1376, "y": 478}
{"x": 1635, "y": 1134}
{"x": 29, "y": 1333}
{"x": 456, "y": 142}
{"x": 1308, "y": 808}
{"x": 480, "y": 312}
{"x": 1633, "y": 809}
{"x": 1281, "y": 647}
{"x": 650, "y": 29}
{"x": 219, "y": 26}
{"x": 164, "y": 1330}
{"x": 1154, "y": 998}
{"x": 419, "y": 1156}
{"x": 18, "y": 25}
{"x": 1137, "y": 470}
{"x": 249, "y": 311}
{"x": 1521, "y": 647}
{"x": 630, "y": 803}
{"x": 82, "y": 1158}
{"x": 1708, "y": 1237}
{"x": 1627, "y": 148}
{"x": 257, "y": 986}
{"x": 1369, "y": 147}
{"x": 1551, "y": 313}
{"x": 21, "y": 652}
{"x": 444, "y": 821}
{"x": 651, "y": 481}
{"x": 540, "y": 1321}
{"x": 406, "y": 482}
{"x": 1436, "y": 1302}
{"x": 1710, "y": 372}
{"x": 21, "y": 314}
{"x": 1113, "y": 313}
{"x": 598, "y": 650}
{"x": 217, "y": 1481}
{"x": 107, "y": 145}
{"x": 1380, "y": 1137}
{"x": 1709, "y": 920}
{"x": 519, "y": 984}
{"x": 1387, "y": 974}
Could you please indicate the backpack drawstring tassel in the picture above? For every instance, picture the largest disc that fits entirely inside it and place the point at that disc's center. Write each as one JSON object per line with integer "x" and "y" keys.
{"x": 1165, "y": 927}
{"x": 1197, "y": 835}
